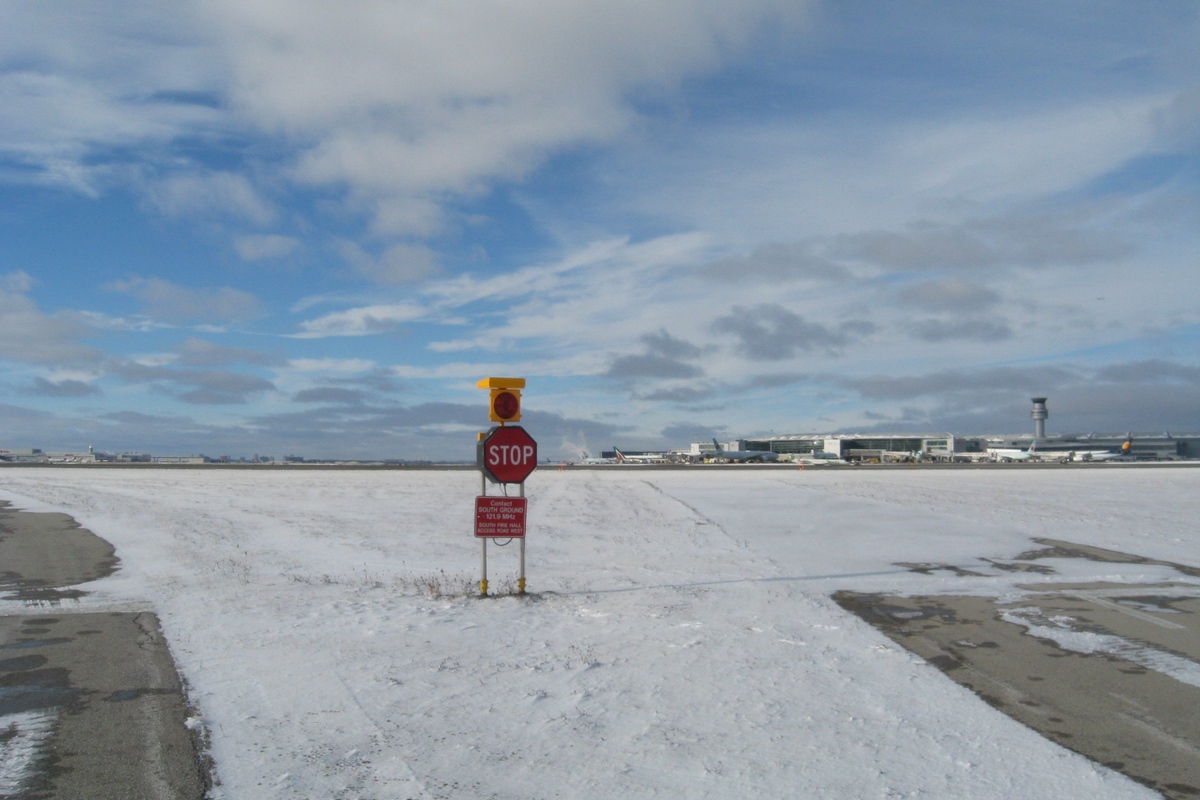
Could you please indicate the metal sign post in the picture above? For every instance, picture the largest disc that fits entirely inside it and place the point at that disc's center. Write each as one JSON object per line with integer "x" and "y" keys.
{"x": 505, "y": 454}
{"x": 483, "y": 543}
{"x": 521, "y": 572}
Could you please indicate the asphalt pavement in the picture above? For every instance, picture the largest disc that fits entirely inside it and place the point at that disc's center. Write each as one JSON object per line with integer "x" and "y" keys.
{"x": 1132, "y": 703}
{"x": 91, "y": 705}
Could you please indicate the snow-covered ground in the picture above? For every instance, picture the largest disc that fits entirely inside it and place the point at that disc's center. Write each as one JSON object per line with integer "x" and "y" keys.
{"x": 679, "y": 640}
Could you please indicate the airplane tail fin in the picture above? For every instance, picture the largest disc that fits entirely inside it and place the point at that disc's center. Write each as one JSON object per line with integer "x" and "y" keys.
{"x": 718, "y": 446}
{"x": 620, "y": 455}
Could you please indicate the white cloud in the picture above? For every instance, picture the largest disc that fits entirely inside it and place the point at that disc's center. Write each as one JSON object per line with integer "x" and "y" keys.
{"x": 360, "y": 321}
{"x": 331, "y": 365}
{"x": 800, "y": 191}
{"x": 269, "y": 246}
{"x": 399, "y": 263}
{"x": 82, "y": 80}
{"x": 222, "y": 193}
{"x": 617, "y": 263}
{"x": 1179, "y": 121}
{"x": 403, "y": 104}
{"x": 299, "y": 374}
{"x": 404, "y": 107}
{"x": 953, "y": 295}
{"x": 314, "y": 67}
{"x": 1018, "y": 156}
{"x": 30, "y": 336}
{"x": 171, "y": 303}
{"x": 747, "y": 183}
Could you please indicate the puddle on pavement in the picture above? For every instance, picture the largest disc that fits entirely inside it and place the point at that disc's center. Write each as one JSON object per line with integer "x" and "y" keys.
{"x": 1056, "y": 548}
{"x": 1110, "y": 671}
{"x": 45, "y": 553}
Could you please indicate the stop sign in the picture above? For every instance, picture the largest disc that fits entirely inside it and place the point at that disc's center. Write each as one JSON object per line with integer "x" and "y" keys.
{"x": 507, "y": 454}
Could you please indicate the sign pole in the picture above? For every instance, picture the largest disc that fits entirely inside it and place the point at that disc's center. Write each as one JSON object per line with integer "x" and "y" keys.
{"x": 521, "y": 574}
{"x": 483, "y": 546}
{"x": 483, "y": 568}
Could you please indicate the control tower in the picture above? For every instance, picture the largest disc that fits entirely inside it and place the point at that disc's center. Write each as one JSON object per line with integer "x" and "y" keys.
{"x": 1039, "y": 417}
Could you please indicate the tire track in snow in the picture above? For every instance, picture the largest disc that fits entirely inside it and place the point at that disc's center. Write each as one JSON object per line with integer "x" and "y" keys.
{"x": 747, "y": 556}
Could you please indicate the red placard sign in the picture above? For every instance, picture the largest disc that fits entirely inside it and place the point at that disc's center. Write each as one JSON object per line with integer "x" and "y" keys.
{"x": 500, "y": 517}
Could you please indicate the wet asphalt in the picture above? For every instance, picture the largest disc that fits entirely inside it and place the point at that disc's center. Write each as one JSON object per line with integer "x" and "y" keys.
{"x": 91, "y": 705}
{"x": 1120, "y": 707}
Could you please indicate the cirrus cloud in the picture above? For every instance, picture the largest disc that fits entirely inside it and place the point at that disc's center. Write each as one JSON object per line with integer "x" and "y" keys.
{"x": 173, "y": 304}
{"x": 365, "y": 321}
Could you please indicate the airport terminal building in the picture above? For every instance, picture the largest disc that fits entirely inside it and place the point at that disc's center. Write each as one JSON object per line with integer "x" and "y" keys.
{"x": 876, "y": 448}
{"x": 866, "y": 448}
{"x": 872, "y": 448}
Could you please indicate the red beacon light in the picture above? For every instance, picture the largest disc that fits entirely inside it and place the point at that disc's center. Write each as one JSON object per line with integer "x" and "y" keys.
{"x": 504, "y": 404}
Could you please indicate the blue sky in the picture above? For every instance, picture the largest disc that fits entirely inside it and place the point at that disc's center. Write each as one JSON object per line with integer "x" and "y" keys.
{"x": 310, "y": 228}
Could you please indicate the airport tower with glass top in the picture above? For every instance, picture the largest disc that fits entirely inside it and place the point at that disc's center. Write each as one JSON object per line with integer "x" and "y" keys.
{"x": 1039, "y": 417}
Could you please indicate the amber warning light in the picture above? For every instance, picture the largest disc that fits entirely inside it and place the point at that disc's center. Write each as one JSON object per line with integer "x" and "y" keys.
{"x": 504, "y": 403}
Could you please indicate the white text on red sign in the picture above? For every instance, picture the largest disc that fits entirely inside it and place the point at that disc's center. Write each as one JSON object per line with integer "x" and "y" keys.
{"x": 500, "y": 517}
{"x": 502, "y": 455}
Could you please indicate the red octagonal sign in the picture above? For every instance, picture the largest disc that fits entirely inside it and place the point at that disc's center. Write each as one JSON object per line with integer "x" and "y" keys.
{"x": 507, "y": 454}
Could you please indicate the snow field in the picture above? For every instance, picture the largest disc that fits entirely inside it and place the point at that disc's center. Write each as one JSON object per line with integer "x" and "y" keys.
{"x": 679, "y": 640}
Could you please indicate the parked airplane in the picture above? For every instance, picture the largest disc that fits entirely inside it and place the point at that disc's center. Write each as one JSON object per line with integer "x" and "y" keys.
{"x": 817, "y": 458}
{"x": 640, "y": 458}
{"x": 1126, "y": 451}
{"x": 1032, "y": 454}
{"x": 1013, "y": 454}
{"x": 586, "y": 459}
{"x": 742, "y": 455}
